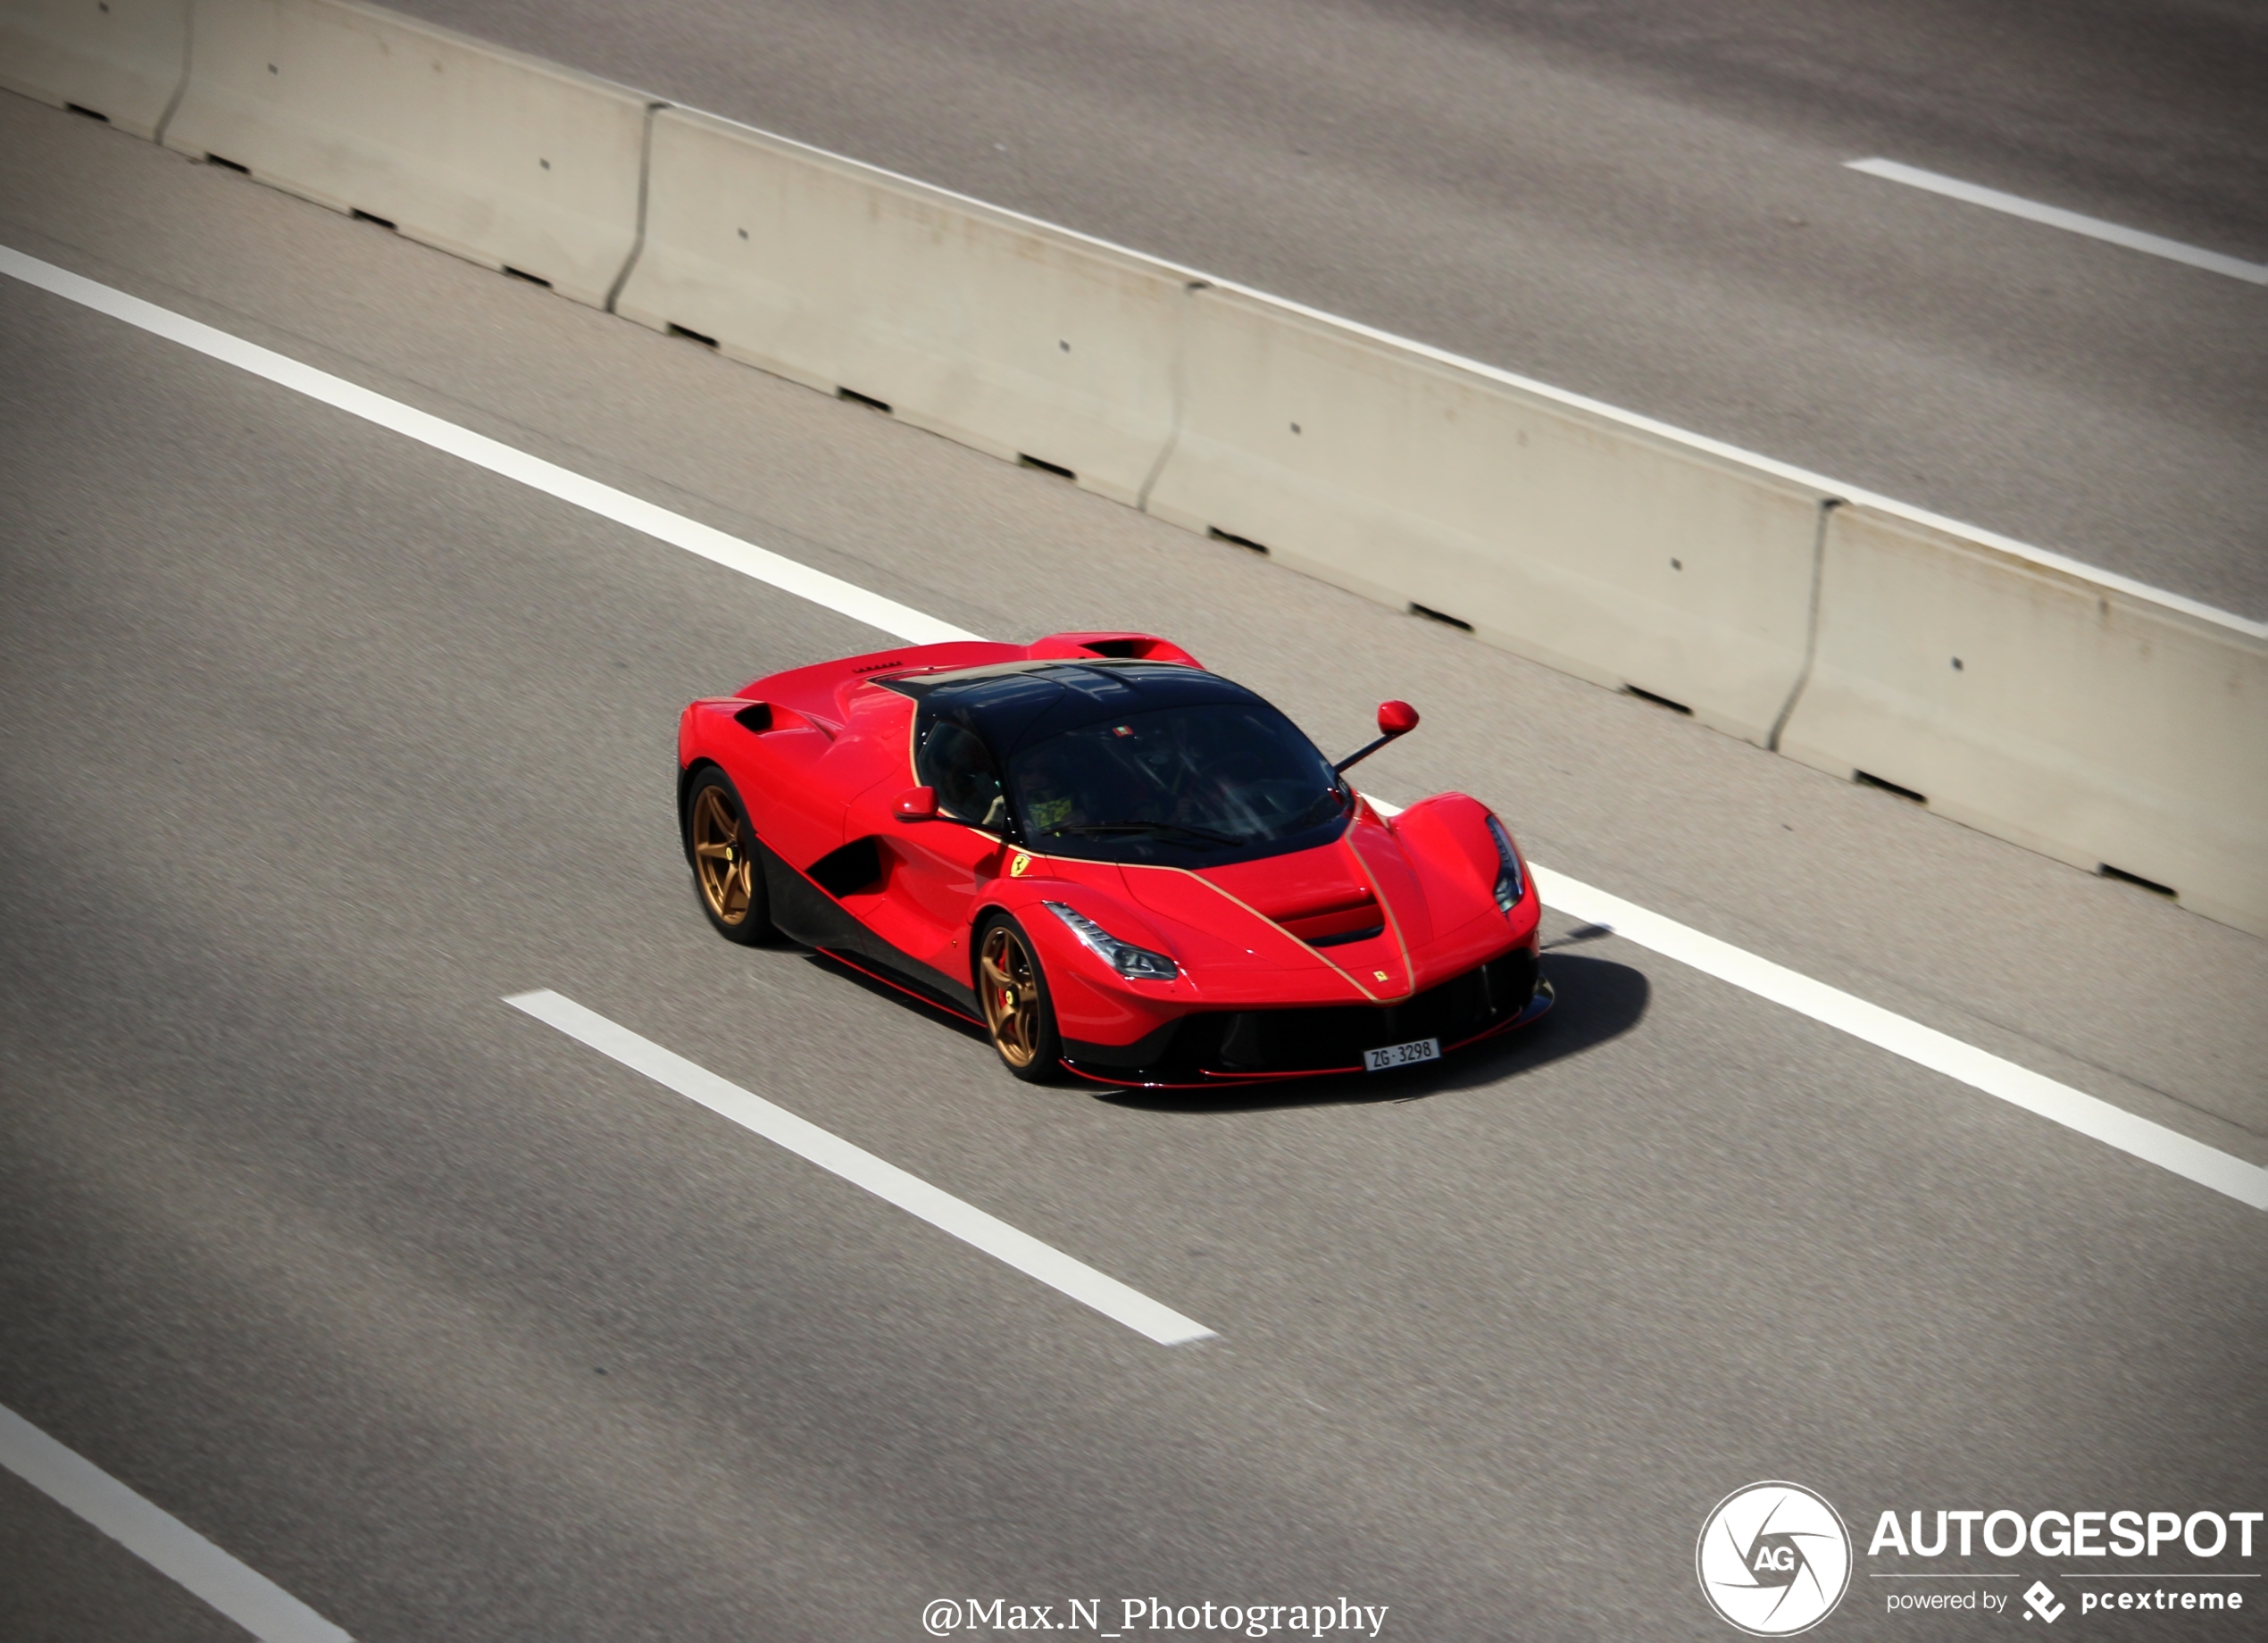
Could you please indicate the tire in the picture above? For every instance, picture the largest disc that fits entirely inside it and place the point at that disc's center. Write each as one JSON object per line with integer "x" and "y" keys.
{"x": 1012, "y": 989}
{"x": 728, "y": 864}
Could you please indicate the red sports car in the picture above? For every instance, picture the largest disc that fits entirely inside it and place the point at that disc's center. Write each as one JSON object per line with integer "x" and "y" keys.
{"x": 1119, "y": 864}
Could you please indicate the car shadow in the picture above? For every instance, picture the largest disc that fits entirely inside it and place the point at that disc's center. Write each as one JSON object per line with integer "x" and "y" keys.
{"x": 1598, "y": 999}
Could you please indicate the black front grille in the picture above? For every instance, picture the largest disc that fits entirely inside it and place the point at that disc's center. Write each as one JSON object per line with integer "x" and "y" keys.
{"x": 1311, "y": 1041}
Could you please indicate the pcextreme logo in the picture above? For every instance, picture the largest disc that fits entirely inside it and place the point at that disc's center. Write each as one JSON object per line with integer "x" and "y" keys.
{"x": 1773, "y": 1559}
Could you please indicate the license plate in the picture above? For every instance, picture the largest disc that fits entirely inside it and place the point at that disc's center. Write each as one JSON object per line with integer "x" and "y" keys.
{"x": 1401, "y": 1054}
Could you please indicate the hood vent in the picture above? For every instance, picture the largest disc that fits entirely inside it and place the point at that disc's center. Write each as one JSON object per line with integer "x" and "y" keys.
{"x": 1336, "y": 923}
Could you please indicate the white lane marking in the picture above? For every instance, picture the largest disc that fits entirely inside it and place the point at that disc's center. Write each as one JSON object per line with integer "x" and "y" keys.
{"x": 159, "y": 1539}
{"x": 2056, "y": 216}
{"x": 1129, "y": 1307}
{"x": 900, "y": 620}
{"x": 912, "y": 625}
{"x": 2035, "y": 1092}
{"x": 2084, "y": 1113}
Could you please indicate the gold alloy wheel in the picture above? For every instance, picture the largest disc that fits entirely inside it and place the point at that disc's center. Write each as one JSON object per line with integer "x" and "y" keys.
{"x": 1010, "y": 982}
{"x": 722, "y": 859}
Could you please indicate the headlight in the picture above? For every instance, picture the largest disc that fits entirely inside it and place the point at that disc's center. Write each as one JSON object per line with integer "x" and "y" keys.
{"x": 1511, "y": 884}
{"x": 1136, "y": 963}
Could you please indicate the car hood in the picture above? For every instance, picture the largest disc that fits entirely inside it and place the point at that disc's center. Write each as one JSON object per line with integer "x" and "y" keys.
{"x": 1396, "y": 906}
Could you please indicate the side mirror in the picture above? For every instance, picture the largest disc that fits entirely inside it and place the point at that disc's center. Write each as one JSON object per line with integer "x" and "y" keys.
{"x": 1394, "y": 719}
{"x": 917, "y": 805}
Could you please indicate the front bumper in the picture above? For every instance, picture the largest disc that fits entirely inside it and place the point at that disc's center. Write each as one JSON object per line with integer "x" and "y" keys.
{"x": 1209, "y": 1049}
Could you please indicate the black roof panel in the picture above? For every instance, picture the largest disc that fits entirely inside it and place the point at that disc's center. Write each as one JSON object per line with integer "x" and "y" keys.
{"x": 1021, "y": 702}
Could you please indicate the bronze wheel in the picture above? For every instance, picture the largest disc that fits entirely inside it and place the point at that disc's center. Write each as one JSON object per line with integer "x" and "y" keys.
{"x": 726, "y": 867}
{"x": 1014, "y": 995}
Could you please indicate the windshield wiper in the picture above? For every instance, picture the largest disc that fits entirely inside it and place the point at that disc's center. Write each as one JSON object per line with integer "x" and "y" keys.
{"x": 1204, "y": 833}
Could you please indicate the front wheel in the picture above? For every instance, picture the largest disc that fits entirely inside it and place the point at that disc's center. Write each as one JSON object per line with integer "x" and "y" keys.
{"x": 727, "y": 869}
{"x": 1014, "y": 991}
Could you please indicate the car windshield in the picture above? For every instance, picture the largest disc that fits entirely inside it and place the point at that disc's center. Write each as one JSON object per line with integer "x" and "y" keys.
{"x": 1182, "y": 786}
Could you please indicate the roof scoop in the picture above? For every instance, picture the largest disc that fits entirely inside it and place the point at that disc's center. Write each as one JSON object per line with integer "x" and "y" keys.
{"x": 1394, "y": 719}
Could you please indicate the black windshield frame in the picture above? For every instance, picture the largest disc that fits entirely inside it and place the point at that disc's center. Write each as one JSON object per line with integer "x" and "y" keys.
{"x": 1245, "y": 771}
{"x": 1192, "y": 784}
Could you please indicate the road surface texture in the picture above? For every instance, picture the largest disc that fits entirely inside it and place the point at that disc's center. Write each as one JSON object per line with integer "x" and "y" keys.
{"x": 318, "y": 742}
{"x": 1644, "y": 201}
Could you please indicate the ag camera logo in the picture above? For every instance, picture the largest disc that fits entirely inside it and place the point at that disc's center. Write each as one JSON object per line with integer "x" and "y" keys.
{"x": 1773, "y": 1559}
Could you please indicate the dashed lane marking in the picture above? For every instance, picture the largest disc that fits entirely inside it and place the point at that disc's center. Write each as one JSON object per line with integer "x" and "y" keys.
{"x": 1114, "y": 1300}
{"x": 159, "y": 1539}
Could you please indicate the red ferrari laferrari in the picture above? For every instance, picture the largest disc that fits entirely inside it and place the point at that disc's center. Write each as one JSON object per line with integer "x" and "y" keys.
{"x": 1121, "y": 866}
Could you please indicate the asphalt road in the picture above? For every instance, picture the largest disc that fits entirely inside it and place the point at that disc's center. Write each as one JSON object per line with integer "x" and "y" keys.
{"x": 318, "y": 742}
{"x": 1644, "y": 201}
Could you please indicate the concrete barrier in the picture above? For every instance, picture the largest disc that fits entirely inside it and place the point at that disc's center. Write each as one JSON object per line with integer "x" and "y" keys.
{"x": 121, "y": 59}
{"x": 499, "y": 158}
{"x": 1012, "y": 336}
{"x": 2084, "y": 720}
{"x": 2107, "y": 724}
{"x": 1593, "y": 545}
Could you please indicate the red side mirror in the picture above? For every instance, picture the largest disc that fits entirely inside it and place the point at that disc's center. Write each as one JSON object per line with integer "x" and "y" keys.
{"x": 1394, "y": 719}
{"x": 917, "y": 805}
